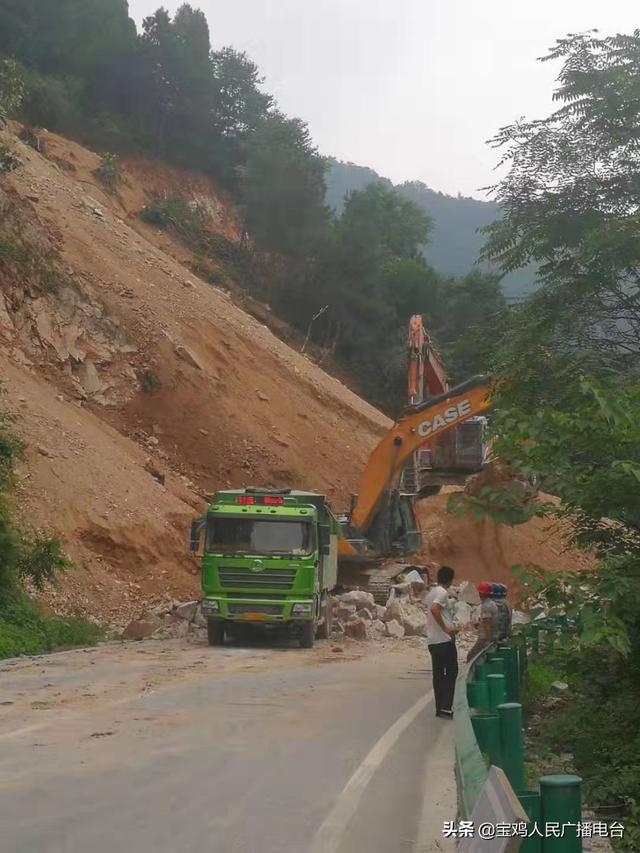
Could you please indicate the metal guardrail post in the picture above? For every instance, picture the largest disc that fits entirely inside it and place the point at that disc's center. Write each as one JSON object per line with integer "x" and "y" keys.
{"x": 478, "y": 694}
{"x": 561, "y": 804}
{"x": 496, "y": 665}
{"x": 512, "y": 741}
{"x": 497, "y": 691}
{"x": 487, "y": 731}
{"x": 512, "y": 671}
{"x": 481, "y": 671}
{"x": 532, "y": 804}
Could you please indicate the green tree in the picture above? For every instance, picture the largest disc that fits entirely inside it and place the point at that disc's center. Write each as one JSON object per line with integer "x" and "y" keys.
{"x": 571, "y": 202}
{"x": 11, "y": 86}
{"x": 569, "y": 402}
{"x": 282, "y": 187}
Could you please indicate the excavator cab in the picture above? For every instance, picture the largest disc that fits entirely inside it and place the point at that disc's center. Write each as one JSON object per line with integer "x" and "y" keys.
{"x": 395, "y": 529}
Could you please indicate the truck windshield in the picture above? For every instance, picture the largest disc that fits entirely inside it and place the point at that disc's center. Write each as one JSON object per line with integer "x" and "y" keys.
{"x": 254, "y": 536}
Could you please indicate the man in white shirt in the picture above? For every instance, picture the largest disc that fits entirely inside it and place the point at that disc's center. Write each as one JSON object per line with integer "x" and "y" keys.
{"x": 442, "y": 646}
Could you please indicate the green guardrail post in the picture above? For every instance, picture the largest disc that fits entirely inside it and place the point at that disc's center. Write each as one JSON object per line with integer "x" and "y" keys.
{"x": 497, "y": 690}
{"x": 487, "y": 731}
{"x": 497, "y": 665}
{"x": 478, "y": 694}
{"x": 512, "y": 741}
{"x": 481, "y": 671}
{"x": 561, "y": 804}
{"x": 532, "y": 804}
{"x": 511, "y": 671}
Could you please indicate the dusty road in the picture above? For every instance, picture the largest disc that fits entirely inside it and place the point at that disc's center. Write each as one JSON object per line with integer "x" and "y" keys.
{"x": 176, "y": 748}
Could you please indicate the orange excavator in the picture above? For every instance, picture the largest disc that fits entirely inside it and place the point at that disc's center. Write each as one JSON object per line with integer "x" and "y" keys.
{"x": 381, "y": 522}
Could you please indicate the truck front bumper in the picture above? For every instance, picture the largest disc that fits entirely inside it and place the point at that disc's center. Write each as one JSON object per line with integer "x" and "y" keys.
{"x": 247, "y": 610}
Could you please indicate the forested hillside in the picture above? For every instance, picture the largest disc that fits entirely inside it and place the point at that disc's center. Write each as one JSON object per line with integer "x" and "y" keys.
{"x": 455, "y": 241}
{"x": 80, "y": 67}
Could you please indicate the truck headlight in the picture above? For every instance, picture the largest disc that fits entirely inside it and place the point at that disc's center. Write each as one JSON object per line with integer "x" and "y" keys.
{"x": 210, "y": 606}
{"x": 300, "y": 609}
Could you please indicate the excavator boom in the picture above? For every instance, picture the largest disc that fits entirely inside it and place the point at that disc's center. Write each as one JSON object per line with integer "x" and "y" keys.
{"x": 417, "y": 426}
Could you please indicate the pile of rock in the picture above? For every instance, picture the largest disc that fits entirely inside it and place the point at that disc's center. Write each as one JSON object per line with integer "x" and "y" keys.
{"x": 169, "y": 620}
{"x": 357, "y": 615}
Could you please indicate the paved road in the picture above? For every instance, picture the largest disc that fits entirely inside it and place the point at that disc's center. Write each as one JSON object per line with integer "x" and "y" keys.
{"x": 171, "y": 748}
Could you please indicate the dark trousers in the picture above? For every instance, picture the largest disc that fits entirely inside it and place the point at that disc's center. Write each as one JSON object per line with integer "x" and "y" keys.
{"x": 444, "y": 660}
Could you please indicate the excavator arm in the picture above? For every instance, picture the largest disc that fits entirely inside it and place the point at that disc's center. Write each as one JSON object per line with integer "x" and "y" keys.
{"x": 417, "y": 426}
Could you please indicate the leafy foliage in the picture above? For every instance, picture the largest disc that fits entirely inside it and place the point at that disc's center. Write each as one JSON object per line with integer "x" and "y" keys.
{"x": 188, "y": 220}
{"x": 11, "y": 86}
{"x": 283, "y": 187}
{"x": 569, "y": 398}
{"x": 600, "y": 705}
{"x": 455, "y": 241}
{"x": 149, "y": 381}
{"x": 110, "y": 171}
{"x": 40, "y": 560}
{"x": 24, "y": 628}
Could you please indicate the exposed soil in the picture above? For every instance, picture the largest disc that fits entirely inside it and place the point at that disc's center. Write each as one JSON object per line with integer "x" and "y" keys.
{"x": 480, "y": 550}
{"x": 139, "y": 389}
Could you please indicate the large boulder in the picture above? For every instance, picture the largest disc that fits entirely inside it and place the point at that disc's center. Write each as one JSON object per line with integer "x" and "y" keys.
{"x": 377, "y": 628}
{"x": 463, "y": 613}
{"x": 174, "y": 626}
{"x": 394, "y": 629}
{"x": 469, "y": 594}
{"x": 356, "y": 629}
{"x": 140, "y": 629}
{"x": 414, "y": 621}
{"x": 187, "y": 610}
{"x": 366, "y": 614}
{"x": 359, "y": 598}
{"x": 346, "y": 612}
{"x": 199, "y": 618}
{"x": 394, "y": 611}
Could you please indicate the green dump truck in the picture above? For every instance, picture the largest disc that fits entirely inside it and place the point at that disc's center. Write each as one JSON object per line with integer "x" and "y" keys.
{"x": 269, "y": 557}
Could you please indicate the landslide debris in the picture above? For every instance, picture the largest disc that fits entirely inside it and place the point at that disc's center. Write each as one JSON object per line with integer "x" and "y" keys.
{"x": 134, "y": 381}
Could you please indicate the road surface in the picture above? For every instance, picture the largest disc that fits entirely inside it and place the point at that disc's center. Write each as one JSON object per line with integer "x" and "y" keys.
{"x": 166, "y": 747}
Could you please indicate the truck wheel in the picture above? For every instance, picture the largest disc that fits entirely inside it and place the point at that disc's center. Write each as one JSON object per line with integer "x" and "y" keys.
{"x": 307, "y": 635}
{"x": 324, "y": 630}
{"x": 215, "y": 632}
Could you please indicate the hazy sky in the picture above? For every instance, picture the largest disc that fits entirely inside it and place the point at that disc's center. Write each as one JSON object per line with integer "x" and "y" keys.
{"x": 412, "y": 88}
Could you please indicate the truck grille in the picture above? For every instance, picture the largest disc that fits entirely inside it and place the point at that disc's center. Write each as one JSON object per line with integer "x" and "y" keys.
{"x": 246, "y": 579}
{"x": 271, "y": 609}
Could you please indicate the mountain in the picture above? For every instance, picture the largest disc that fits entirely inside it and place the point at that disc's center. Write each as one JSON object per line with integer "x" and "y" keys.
{"x": 455, "y": 242}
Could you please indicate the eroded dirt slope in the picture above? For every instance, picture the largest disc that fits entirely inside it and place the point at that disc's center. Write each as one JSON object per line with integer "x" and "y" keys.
{"x": 480, "y": 550}
{"x": 124, "y": 368}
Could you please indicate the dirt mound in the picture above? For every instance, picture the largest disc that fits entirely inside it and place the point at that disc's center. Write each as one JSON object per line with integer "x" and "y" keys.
{"x": 126, "y": 371}
{"x": 480, "y": 550}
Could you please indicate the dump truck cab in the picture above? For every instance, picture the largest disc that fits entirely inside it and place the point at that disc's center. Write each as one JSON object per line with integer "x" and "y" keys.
{"x": 268, "y": 557}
